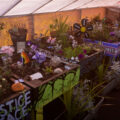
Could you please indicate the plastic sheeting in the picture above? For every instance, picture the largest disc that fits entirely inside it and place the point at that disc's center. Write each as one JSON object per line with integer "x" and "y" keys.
{"x": 54, "y": 6}
{"x": 24, "y": 7}
{"x": 27, "y": 7}
{"x": 78, "y": 3}
{"x": 99, "y": 3}
{"x": 5, "y": 5}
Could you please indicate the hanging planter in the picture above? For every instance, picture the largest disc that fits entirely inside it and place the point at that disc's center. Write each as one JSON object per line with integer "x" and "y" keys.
{"x": 18, "y": 37}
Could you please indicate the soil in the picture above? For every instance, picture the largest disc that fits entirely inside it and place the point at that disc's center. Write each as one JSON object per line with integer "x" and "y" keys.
{"x": 29, "y": 69}
{"x": 6, "y": 90}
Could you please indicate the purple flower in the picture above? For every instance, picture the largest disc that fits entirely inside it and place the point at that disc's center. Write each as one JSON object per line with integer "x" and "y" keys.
{"x": 33, "y": 47}
{"x": 112, "y": 33}
{"x": 7, "y": 50}
{"x": 84, "y": 51}
{"x": 50, "y": 47}
{"x": 80, "y": 56}
{"x": 30, "y": 53}
{"x": 60, "y": 52}
{"x": 29, "y": 43}
{"x": 51, "y": 40}
{"x": 39, "y": 57}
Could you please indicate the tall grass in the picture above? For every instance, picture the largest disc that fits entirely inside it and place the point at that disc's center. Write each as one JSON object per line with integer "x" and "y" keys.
{"x": 79, "y": 104}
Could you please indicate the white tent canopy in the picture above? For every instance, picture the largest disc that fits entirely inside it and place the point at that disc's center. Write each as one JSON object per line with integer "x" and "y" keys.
{"x": 24, "y": 7}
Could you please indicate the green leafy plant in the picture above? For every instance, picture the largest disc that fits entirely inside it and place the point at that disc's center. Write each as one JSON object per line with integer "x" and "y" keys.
{"x": 95, "y": 19}
{"x": 102, "y": 35}
{"x": 80, "y": 103}
{"x": 74, "y": 52}
{"x": 102, "y": 31}
{"x": 68, "y": 52}
{"x": 48, "y": 70}
{"x": 101, "y": 71}
{"x": 60, "y": 28}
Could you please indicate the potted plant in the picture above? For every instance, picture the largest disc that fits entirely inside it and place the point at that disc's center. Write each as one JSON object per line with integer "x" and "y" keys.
{"x": 18, "y": 34}
{"x": 111, "y": 77}
{"x": 59, "y": 29}
{"x": 87, "y": 55}
{"x": 105, "y": 36}
{"x": 107, "y": 73}
{"x": 79, "y": 102}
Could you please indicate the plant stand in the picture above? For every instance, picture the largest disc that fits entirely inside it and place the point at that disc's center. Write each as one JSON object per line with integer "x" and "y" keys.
{"x": 43, "y": 92}
{"x": 93, "y": 112}
{"x": 86, "y": 64}
{"x": 110, "y": 86}
{"x": 58, "y": 89}
{"x": 91, "y": 62}
{"x": 110, "y": 49}
{"x": 39, "y": 114}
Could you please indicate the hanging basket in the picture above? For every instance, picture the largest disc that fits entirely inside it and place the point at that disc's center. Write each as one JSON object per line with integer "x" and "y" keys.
{"x": 18, "y": 36}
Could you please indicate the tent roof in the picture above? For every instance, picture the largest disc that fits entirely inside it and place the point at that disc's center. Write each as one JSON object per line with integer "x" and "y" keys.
{"x": 24, "y": 7}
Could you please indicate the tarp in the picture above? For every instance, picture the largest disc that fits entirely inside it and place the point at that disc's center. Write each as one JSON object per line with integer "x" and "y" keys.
{"x": 25, "y": 7}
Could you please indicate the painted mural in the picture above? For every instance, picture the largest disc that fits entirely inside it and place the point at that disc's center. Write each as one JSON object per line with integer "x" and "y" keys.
{"x": 53, "y": 89}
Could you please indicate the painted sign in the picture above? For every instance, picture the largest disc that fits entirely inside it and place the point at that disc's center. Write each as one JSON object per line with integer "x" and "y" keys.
{"x": 110, "y": 49}
{"x": 20, "y": 46}
{"x": 55, "y": 88}
{"x": 16, "y": 108}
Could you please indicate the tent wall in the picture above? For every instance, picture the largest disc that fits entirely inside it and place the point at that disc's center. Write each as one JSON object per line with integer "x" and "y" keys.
{"x": 42, "y": 21}
{"x": 113, "y": 13}
{"x": 39, "y": 23}
{"x": 5, "y": 36}
{"x": 92, "y": 12}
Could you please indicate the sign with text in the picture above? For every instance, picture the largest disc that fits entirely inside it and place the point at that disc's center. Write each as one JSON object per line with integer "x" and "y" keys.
{"x": 16, "y": 108}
